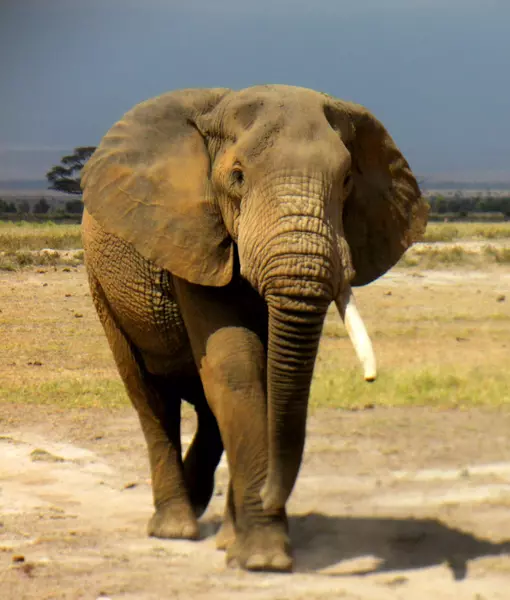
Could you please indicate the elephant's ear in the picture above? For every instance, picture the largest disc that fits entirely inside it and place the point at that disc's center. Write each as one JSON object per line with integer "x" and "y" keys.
{"x": 148, "y": 183}
{"x": 385, "y": 213}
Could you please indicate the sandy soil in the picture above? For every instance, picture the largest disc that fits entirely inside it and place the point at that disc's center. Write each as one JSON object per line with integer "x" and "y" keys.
{"x": 408, "y": 503}
{"x": 370, "y": 518}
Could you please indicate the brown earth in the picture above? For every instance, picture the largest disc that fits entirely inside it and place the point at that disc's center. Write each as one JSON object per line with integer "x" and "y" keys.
{"x": 391, "y": 503}
{"x": 371, "y": 519}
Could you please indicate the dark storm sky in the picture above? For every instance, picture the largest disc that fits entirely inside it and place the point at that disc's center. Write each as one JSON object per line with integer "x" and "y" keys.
{"x": 437, "y": 73}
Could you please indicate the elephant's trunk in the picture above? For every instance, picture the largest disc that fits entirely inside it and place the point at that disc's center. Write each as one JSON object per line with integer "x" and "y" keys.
{"x": 297, "y": 264}
{"x": 294, "y": 334}
{"x": 292, "y": 349}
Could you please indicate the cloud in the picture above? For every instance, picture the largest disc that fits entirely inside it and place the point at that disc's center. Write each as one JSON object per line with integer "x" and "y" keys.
{"x": 290, "y": 7}
{"x": 36, "y": 148}
{"x": 339, "y": 7}
{"x": 24, "y": 161}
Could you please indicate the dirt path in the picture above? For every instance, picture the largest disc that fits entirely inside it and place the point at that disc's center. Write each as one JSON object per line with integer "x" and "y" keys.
{"x": 390, "y": 504}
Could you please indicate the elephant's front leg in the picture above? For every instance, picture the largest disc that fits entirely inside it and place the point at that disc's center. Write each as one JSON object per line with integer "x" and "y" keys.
{"x": 232, "y": 363}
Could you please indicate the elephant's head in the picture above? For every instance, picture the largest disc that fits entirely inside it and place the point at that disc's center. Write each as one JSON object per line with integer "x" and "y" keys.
{"x": 311, "y": 190}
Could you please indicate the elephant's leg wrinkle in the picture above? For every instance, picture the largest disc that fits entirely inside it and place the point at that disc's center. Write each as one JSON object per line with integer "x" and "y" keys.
{"x": 159, "y": 417}
{"x": 232, "y": 361}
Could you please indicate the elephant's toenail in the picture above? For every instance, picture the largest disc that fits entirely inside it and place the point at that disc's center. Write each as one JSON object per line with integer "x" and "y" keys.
{"x": 281, "y": 562}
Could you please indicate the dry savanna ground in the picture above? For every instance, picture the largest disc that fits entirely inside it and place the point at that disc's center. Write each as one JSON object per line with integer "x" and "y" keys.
{"x": 405, "y": 488}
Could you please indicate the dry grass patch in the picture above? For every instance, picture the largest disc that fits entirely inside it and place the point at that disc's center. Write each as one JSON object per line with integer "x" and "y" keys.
{"x": 14, "y": 260}
{"x": 48, "y": 244}
{"x": 474, "y": 256}
{"x": 23, "y": 235}
{"x": 36, "y": 236}
{"x": 439, "y": 341}
{"x": 65, "y": 392}
{"x": 25, "y": 244}
{"x": 53, "y": 348}
{"x": 453, "y": 232}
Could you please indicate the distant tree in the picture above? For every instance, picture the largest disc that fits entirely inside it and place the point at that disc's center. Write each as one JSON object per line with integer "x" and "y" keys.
{"x": 24, "y": 208}
{"x": 74, "y": 207}
{"x": 440, "y": 205}
{"x": 41, "y": 207}
{"x": 7, "y": 207}
{"x": 66, "y": 177}
{"x": 506, "y": 208}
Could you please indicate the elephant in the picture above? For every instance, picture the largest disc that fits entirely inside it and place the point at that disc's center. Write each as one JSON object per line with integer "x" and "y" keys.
{"x": 218, "y": 227}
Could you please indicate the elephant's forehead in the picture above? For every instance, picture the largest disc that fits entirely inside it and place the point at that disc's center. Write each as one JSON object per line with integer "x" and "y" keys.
{"x": 279, "y": 91}
{"x": 276, "y": 109}
{"x": 277, "y": 101}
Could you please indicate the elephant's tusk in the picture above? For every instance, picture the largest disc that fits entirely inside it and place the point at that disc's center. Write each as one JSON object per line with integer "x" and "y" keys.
{"x": 357, "y": 332}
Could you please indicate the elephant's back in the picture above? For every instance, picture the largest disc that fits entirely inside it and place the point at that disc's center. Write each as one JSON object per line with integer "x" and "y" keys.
{"x": 140, "y": 295}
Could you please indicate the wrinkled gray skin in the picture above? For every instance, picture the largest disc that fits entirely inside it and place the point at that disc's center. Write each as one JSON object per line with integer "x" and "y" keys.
{"x": 219, "y": 226}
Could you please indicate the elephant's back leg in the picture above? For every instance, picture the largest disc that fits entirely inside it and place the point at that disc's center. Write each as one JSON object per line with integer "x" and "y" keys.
{"x": 143, "y": 326}
{"x": 204, "y": 452}
{"x": 141, "y": 297}
{"x": 158, "y": 405}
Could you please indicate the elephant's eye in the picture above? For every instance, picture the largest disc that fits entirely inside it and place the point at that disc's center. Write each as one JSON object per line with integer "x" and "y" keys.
{"x": 237, "y": 176}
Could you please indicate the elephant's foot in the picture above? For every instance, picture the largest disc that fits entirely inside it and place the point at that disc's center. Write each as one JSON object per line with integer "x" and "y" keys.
{"x": 170, "y": 522}
{"x": 261, "y": 549}
{"x": 226, "y": 536}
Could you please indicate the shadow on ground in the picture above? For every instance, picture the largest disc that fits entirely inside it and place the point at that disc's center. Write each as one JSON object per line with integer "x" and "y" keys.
{"x": 321, "y": 541}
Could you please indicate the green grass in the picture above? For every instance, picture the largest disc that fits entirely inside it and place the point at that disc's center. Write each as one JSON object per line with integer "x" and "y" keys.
{"x": 67, "y": 393}
{"x": 429, "y": 386}
{"x": 340, "y": 387}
